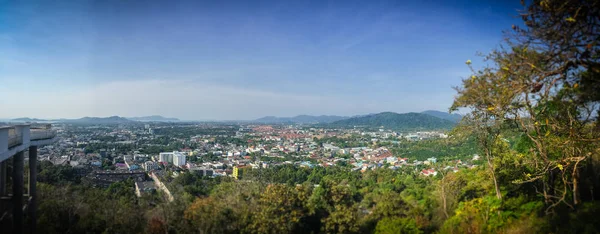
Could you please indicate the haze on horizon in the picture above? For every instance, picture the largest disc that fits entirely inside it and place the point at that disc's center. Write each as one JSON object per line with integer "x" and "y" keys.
{"x": 199, "y": 60}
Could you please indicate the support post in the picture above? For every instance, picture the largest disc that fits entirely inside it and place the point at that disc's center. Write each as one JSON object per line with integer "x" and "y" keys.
{"x": 32, "y": 188}
{"x": 17, "y": 197}
{"x": 4, "y": 143}
{"x": 3, "y": 164}
{"x": 3, "y": 175}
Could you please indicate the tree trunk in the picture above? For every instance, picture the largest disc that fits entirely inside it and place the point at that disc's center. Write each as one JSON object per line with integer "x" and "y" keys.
{"x": 491, "y": 166}
{"x": 575, "y": 189}
{"x": 444, "y": 204}
{"x": 498, "y": 193}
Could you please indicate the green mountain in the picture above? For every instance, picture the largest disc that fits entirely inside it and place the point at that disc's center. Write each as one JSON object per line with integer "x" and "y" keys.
{"x": 395, "y": 121}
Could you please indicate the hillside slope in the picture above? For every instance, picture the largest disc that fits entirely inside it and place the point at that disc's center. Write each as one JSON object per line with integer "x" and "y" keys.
{"x": 395, "y": 121}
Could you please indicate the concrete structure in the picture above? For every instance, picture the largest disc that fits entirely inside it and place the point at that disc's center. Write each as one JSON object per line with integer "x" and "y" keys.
{"x": 202, "y": 171}
{"x": 165, "y": 157}
{"x": 15, "y": 142}
{"x": 150, "y": 165}
{"x": 176, "y": 158}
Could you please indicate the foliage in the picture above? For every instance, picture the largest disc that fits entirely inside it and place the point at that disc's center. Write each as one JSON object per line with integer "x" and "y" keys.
{"x": 541, "y": 91}
{"x": 280, "y": 210}
{"x": 395, "y": 121}
{"x": 56, "y": 175}
{"x": 531, "y": 118}
{"x": 534, "y": 89}
{"x": 397, "y": 225}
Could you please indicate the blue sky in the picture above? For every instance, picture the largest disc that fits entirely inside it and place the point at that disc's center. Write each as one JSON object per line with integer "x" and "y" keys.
{"x": 200, "y": 60}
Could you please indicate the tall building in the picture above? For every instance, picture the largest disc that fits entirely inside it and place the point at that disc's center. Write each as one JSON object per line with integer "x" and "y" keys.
{"x": 175, "y": 157}
{"x": 178, "y": 159}
{"x": 166, "y": 157}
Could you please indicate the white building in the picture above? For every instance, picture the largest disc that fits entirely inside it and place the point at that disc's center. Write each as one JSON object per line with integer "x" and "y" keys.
{"x": 175, "y": 157}
{"x": 166, "y": 157}
{"x": 391, "y": 159}
{"x": 149, "y": 166}
{"x": 178, "y": 159}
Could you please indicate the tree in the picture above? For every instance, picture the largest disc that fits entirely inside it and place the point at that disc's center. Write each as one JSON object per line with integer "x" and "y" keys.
{"x": 397, "y": 225}
{"x": 228, "y": 209}
{"x": 544, "y": 83}
{"x": 156, "y": 226}
{"x": 206, "y": 215}
{"x": 280, "y": 210}
{"x": 336, "y": 204}
{"x": 448, "y": 190}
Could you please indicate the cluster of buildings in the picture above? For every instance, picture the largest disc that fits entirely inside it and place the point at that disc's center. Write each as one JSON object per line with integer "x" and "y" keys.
{"x": 225, "y": 150}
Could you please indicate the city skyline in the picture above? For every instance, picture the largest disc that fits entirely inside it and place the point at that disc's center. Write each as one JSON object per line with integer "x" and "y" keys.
{"x": 204, "y": 61}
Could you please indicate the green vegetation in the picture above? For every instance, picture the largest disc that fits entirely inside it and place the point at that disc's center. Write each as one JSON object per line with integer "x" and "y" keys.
{"x": 57, "y": 175}
{"x": 456, "y": 147}
{"x": 398, "y": 122}
{"x": 446, "y": 149}
{"x": 531, "y": 119}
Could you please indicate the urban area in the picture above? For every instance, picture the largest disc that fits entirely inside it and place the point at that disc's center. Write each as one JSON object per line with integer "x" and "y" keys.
{"x": 155, "y": 153}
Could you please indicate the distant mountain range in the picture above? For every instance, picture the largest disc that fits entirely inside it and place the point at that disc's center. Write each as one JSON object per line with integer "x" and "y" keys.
{"x": 100, "y": 120}
{"x": 306, "y": 119}
{"x": 301, "y": 119}
{"x": 395, "y": 121}
{"x": 425, "y": 120}
{"x": 26, "y": 119}
{"x": 153, "y": 118}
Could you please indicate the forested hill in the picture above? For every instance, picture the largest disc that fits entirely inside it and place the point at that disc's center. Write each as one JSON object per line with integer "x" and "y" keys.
{"x": 395, "y": 121}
